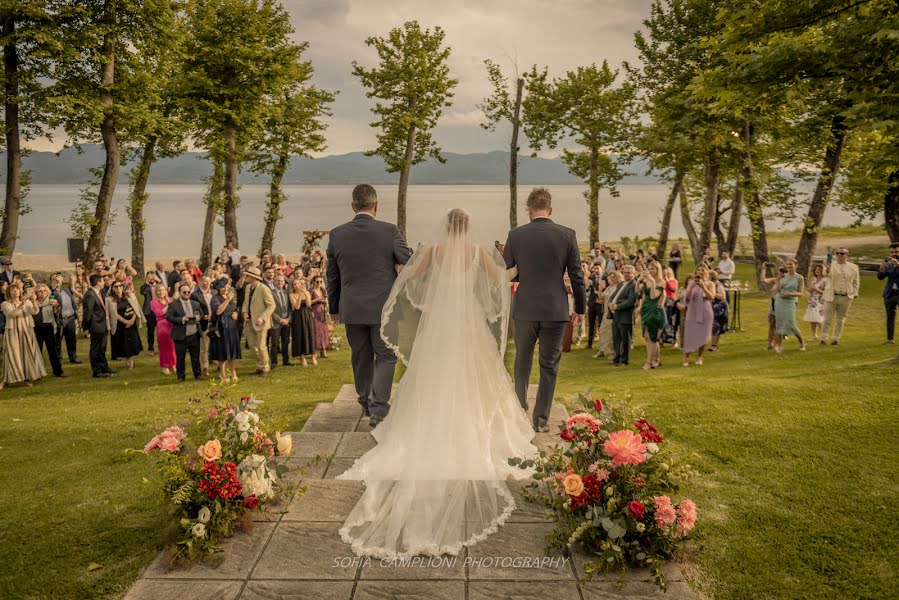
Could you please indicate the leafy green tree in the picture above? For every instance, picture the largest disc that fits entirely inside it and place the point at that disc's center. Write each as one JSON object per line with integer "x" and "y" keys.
{"x": 412, "y": 85}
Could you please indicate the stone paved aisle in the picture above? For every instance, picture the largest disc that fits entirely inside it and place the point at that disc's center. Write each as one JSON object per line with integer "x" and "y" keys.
{"x": 297, "y": 553}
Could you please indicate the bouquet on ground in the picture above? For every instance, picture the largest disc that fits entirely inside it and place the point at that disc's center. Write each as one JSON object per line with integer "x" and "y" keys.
{"x": 610, "y": 488}
{"x": 218, "y": 470}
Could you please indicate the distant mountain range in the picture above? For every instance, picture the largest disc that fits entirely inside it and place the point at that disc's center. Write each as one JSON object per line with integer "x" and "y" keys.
{"x": 71, "y": 167}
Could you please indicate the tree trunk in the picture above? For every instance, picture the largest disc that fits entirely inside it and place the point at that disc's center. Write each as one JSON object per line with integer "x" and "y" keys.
{"x": 13, "y": 143}
{"x": 593, "y": 197}
{"x": 662, "y": 246}
{"x": 688, "y": 225}
{"x": 719, "y": 234}
{"x": 230, "y": 208}
{"x": 513, "y": 158}
{"x": 709, "y": 213}
{"x": 759, "y": 236}
{"x": 137, "y": 202}
{"x": 815, "y": 215}
{"x": 891, "y": 207}
{"x": 213, "y": 203}
{"x": 404, "y": 182}
{"x": 273, "y": 210}
{"x": 97, "y": 239}
{"x": 736, "y": 211}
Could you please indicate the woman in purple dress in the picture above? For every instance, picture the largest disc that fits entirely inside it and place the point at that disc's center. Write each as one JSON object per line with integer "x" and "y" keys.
{"x": 320, "y": 316}
{"x": 698, "y": 320}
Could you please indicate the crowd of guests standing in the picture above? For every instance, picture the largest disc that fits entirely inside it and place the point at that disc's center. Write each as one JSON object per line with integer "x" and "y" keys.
{"x": 279, "y": 310}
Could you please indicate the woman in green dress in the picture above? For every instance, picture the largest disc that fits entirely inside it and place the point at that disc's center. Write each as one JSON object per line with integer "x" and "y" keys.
{"x": 790, "y": 288}
{"x": 652, "y": 316}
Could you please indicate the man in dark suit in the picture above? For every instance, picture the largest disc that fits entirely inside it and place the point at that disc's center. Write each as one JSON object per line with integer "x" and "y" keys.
{"x": 279, "y": 334}
{"x": 621, "y": 304}
{"x": 7, "y": 273}
{"x": 362, "y": 259}
{"x": 185, "y": 315}
{"x": 174, "y": 277}
{"x": 203, "y": 293}
{"x": 542, "y": 251}
{"x": 95, "y": 323}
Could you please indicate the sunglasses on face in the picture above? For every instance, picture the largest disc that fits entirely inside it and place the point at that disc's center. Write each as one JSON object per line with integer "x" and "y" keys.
{"x": 842, "y": 253}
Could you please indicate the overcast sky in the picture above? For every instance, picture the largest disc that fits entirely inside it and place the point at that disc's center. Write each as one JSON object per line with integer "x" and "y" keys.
{"x": 560, "y": 34}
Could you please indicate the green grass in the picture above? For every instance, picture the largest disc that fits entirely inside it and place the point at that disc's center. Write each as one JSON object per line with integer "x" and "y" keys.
{"x": 796, "y": 453}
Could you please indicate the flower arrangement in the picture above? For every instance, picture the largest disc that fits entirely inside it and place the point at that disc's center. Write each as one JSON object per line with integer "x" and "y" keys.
{"x": 610, "y": 489}
{"x": 216, "y": 470}
{"x": 312, "y": 240}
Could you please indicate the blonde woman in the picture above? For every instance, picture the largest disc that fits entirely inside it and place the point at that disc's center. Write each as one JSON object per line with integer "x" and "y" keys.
{"x": 652, "y": 318}
{"x": 22, "y": 360}
{"x": 159, "y": 305}
{"x": 814, "y": 311}
{"x": 604, "y": 343}
{"x": 791, "y": 287}
{"x": 79, "y": 286}
{"x": 698, "y": 320}
{"x": 302, "y": 329}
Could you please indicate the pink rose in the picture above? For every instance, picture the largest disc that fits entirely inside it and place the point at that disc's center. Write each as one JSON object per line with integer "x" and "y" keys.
{"x": 585, "y": 419}
{"x": 664, "y": 512}
{"x": 625, "y": 448}
{"x": 211, "y": 450}
{"x": 686, "y": 518}
{"x": 170, "y": 443}
{"x": 152, "y": 444}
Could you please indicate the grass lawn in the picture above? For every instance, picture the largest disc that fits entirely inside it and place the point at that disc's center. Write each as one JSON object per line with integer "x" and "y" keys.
{"x": 797, "y": 492}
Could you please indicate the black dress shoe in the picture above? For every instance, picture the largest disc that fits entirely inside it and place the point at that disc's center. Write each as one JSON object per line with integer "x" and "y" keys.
{"x": 74, "y": 361}
{"x": 180, "y": 380}
{"x": 109, "y": 371}
{"x": 101, "y": 375}
{"x": 365, "y": 411}
{"x": 288, "y": 364}
{"x": 374, "y": 421}
{"x": 541, "y": 428}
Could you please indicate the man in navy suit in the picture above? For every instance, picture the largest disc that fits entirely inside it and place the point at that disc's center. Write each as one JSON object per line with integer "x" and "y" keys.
{"x": 186, "y": 317}
{"x": 542, "y": 251}
{"x": 362, "y": 259}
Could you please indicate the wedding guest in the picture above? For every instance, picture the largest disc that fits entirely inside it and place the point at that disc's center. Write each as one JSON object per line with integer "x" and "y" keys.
{"x": 698, "y": 320}
{"x": 889, "y": 270}
{"x": 302, "y": 330}
{"x": 79, "y": 286}
{"x": 790, "y": 287}
{"x": 191, "y": 267}
{"x": 7, "y": 272}
{"x": 605, "y": 343}
{"x": 320, "y": 316}
{"x": 773, "y": 290}
{"x": 125, "y": 272}
{"x": 669, "y": 333}
{"x": 814, "y": 310}
{"x": 151, "y": 280}
{"x": 236, "y": 261}
{"x": 45, "y": 326}
{"x": 160, "y": 305}
{"x": 185, "y": 316}
{"x": 640, "y": 257}
{"x": 257, "y": 310}
{"x": 224, "y": 342}
{"x": 21, "y": 356}
{"x": 279, "y": 334}
{"x": 568, "y": 333}
{"x": 595, "y": 285}
{"x": 674, "y": 258}
{"x": 841, "y": 288}
{"x": 173, "y": 277}
{"x": 681, "y": 306}
{"x": 719, "y": 311}
{"x": 268, "y": 276}
{"x": 68, "y": 318}
{"x": 652, "y": 254}
{"x": 622, "y": 306}
{"x": 612, "y": 261}
{"x": 726, "y": 268}
{"x": 96, "y": 324}
{"x": 707, "y": 258}
{"x": 161, "y": 273}
{"x": 652, "y": 287}
{"x": 99, "y": 266}
{"x": 224, "y": 261}
{"x": 125, "y": 320}
{"x": 203, "y": 294}
{"x": 187, "y": 278}
{"x": 4, "y": 287}
{"x": 282, "y": 266}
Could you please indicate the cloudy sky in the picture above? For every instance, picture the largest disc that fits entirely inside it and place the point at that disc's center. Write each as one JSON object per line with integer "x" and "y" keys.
{"x": 561, "y": 34}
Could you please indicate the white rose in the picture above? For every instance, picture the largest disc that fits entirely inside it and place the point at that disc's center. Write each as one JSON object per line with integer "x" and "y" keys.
{"x": 204, "y": 515}
{"x": 254, "y": 417}
{"x": 652, "y": 447}
{"x": 198, "y": 530}
{"x": 243, "y": 437}
{"x": 243, "y": 421}
{"x": 641, "y": 527}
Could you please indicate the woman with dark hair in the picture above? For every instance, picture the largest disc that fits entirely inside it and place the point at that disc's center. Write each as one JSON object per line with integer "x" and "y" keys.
{"x": 224, "y": 336}
{"x": 125, "y": 320}
{"x": 22, "y": 360}
{"x": 698, "y": 321}
{"x": 159, "y": 305}
{"x": 302, "y": 330}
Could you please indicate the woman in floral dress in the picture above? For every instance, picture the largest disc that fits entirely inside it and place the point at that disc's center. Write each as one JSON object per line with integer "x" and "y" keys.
{"x": 814, "y": 311}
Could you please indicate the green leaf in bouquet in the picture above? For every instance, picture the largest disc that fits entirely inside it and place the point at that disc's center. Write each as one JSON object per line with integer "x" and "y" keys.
{"x": 612, "y": 528}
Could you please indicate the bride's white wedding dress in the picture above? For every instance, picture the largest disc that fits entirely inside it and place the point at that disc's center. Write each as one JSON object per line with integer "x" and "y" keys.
{"x": 435, "y": 481}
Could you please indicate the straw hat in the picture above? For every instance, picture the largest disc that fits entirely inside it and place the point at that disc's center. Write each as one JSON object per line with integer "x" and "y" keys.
{"x": 254, "y": 272}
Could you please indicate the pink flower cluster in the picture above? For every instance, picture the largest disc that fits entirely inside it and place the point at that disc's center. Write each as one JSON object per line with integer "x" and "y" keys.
{"x": 666, "y": 515}
{"x": 686, "y": 518}
{"x": 169, "y": 440}
{"x": 664, "y": 511}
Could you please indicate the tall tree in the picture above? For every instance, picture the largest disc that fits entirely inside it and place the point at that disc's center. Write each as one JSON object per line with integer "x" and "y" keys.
{"x": 412, "y": 86}
{"x": 587, "y": 108}
{"x": 214, "y": 203}
{"x": 499, "y": 107}
{"x": 27, "y": 37}
{"x": 292, "y": 125}
{"x": 238, "y": 53}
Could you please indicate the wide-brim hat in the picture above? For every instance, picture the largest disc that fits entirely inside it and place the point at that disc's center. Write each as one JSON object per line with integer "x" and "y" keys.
{"x": 254, "y": 273}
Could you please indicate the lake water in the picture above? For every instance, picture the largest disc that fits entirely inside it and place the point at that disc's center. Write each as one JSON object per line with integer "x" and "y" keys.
{"x": 175, "y": 214}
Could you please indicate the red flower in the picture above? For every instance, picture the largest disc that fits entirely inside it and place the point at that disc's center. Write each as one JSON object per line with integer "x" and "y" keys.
{"x": 636, "y": 509}
{"x": 598, "y": 406}
{"x": 567, "y": 435}
{"x": 251, "y": 501}
{"x": 648, "y": 431}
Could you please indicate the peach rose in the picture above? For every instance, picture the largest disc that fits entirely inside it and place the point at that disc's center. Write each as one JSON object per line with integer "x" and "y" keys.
{"x": 573, "y": 485}
{"x": 211, "y": 450}
{"x": 625, "y": 448}
{"x": 285, "y": 443}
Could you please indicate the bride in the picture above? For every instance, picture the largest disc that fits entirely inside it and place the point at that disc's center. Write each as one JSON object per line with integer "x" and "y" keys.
{"x": 435, "y": 481}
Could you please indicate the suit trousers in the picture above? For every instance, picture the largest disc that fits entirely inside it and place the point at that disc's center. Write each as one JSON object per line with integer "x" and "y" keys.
{"x": 98, "y": 353}
{"x": 550, "y": 334}
{"x": 838, "y": 309}
{"x": 68, "y": 331}
{"x": 190, "y": 344}
{"x": 622, "y": 333}
{"x": 890, "y": 304}
{"x": 373, "y": 367}
{"x": 279, "y": 343}
{"x": 258, "y": 342}
{"x": 46, "y": 335}
{"x": 151, "y": 330}
{"x": 594, "y": 320}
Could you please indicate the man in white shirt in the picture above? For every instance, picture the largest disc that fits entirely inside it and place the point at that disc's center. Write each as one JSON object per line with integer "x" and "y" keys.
{"x": 726, "y": 268}
{"x": 839, "y": 290}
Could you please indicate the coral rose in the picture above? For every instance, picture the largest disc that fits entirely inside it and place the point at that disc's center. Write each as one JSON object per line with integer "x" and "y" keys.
{"x": 211, "y": 450}
{"x": 285, "y": 443}
{"x": 573, "y": 485}
{"x": 625, "y": 448}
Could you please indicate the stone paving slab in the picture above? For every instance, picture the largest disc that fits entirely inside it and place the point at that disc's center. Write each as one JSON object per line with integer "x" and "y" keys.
{"x": 296, "y": 553}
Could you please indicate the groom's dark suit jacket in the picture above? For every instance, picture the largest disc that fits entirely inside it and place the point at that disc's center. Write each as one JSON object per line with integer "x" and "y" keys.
{"x": 362, "y": 255}
{"x": 543, "y": 251}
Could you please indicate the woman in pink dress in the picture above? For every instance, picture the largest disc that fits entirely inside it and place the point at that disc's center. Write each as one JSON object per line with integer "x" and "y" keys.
{"x": 159, "y": 305}
{"x": 698, "y": 320}
{"x": 320, "y": 316}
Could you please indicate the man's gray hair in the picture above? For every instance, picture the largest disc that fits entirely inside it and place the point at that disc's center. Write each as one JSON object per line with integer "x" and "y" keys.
{"x": 364, "y": 197}
{"x": 539, "y": 199}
